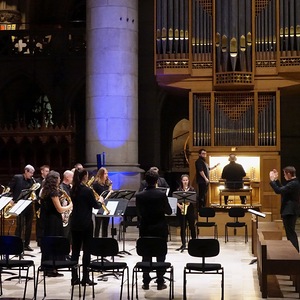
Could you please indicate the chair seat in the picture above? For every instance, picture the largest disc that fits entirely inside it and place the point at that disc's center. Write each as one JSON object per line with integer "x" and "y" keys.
{"x": 15, "y": 263}
{"x": 58, "y": 264}
{"x": 153, "y": 266}
{"x": 205, "y": 224}
{"x": 199, "y": 267}
{"x": 107, "y": 265}
{"x": 235, "y": 224}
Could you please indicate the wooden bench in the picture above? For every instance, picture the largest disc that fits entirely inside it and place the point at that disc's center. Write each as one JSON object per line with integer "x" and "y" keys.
{"x": 235, "y": 192}
{"x": 270, "y": 230}
{"x": 276, "y": 257}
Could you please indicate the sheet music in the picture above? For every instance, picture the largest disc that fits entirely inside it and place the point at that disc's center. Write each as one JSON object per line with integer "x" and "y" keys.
{"x": 173, "y": 204}
{"x": 257, "y": 213}
{"x": 4, "y": 201}
{"x": 19, "y": 207}
{"x": 112, "y": 206}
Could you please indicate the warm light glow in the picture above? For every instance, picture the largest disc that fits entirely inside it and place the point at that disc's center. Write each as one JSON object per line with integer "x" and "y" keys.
{"x": 251, "y": 165}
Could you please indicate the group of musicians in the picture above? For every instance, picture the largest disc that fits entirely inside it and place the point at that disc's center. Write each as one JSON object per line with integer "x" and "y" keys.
{"x": 64, "y": 208}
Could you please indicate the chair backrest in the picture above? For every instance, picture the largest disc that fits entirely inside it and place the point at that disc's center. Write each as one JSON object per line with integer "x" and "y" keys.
{"x": 151, "y": 246}
{"x": 236, "y": 212}
{"x": 130, "y": 211}
{"x": 10, "y": 245}
{"x": 104, "y": 246}
{"x": 203, "y": 247}
{"x": 207, "y": 212}
{"x": 55, "y": 247}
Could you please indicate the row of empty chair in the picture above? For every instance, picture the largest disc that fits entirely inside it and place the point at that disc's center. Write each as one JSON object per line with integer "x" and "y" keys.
{"x": 130, "y": 219}
{"x": 11, "y": 250}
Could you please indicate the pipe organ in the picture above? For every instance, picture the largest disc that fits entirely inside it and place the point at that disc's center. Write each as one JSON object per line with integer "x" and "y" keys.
{"x": 233, "y": 57}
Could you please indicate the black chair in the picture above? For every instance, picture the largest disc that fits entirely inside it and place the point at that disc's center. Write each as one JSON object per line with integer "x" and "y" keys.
{"x": 10, "y": 248}
{"x": 103, "y": 247}
{"x": 236, "y": 213}
{"x": 130, "y": 219}
{"x": 203, "y": 248}
{"x": 55, "y": 250}
{"x": 207, "y": 212}
{"x": 152, "y": 247}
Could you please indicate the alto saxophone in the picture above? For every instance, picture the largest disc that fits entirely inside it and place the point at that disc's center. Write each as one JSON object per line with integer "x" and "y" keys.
{"x": 184, "y": 208}
{"x": 66, "y": 214}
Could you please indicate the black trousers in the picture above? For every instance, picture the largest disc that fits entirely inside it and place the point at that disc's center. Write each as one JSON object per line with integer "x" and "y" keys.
{"x": 82, "y": 239}
{"x": 24, "y": 224}
{"x": 183, "y": 220}
{"x": 289, "y": 223}
{"x": 104, "y": 221}
{"x": 202, "y": 191}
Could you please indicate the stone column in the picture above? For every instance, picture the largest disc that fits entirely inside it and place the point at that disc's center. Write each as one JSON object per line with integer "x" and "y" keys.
{"x": 112, "y": 87}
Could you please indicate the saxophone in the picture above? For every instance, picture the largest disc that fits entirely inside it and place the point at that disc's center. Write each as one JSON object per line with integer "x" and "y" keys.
{"x": 96, "y": 195}
{"x": 184, "y": 208}
{"x": 6, "y": 190}
{"x": 64, "y": 197}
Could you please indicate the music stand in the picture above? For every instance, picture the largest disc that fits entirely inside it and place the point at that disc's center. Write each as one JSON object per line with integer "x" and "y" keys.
{"x": 184, "y": 197}
{"x": 16, "y": 210}
{"x": 122, "y": 194}
{"x": 257, "y": 214}
{"x": 3, "y": 202}
{"x": 165, "y": 190}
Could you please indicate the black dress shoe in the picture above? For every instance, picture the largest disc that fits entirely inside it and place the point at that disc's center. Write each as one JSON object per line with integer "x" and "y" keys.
{"x": 182, "y": 247}
{"x": 27, "y": 248}
{"x": 161, "y": 286}
{"x": 53, "y": 274}
{"x": 88, "y": 282}
{"x": 145, "y": 286}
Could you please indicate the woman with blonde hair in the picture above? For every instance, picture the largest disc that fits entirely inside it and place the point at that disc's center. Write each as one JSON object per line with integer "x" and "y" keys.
{"x": 102, "y": 183}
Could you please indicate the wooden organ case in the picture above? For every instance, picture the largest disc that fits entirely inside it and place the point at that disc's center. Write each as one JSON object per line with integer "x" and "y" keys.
{"x": 234, "y": 57}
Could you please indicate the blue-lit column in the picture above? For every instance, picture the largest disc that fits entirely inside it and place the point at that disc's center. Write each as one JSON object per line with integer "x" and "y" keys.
{"x": 112, "y": 87}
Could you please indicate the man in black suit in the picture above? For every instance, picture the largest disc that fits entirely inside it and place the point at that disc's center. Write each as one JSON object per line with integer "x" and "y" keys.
{"x": 233, "y": 173}
{"x": 152, "y": 206}
{"x": 19, "y": 183}
{"x": 290, "y": 195}
{"x": 161, "y": 182}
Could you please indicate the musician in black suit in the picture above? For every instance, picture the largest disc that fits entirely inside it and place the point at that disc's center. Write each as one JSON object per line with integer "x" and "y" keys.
{"x": 152, "y": 205}
{"x": 290, "y": 195}
{"x": 84, "y": 201}
{"x": 19, "y": 183}
{"x": 39, "y": 230}
{"x": 161, "y": 182}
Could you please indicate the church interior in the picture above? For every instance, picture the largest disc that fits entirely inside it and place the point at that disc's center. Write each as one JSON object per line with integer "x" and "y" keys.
{"x": 150, "y": 83}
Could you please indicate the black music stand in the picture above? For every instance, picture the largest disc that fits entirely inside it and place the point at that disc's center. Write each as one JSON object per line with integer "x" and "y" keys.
{"x": 123, "y": 194}
{"x": 257, "y": 214}
{"x": 184, "y": 197}
{"x": 116, "y": 208}
{"x": 3, "y": 202}
{"x": 17, "y": 210}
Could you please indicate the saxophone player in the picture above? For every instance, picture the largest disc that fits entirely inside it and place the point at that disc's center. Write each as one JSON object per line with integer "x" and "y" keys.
{"x": 19, "y": 183}
{"x": 101, "y": 183}
{"x": 185, "y": 212}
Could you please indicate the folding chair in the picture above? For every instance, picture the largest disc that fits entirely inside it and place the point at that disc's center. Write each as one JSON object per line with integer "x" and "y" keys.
{"x": 207, "y": 212}
{"x": 11, "y": 246}
{"x": 55, "y": 249}
{"x": 203, "y": 248}
{"x": 152, "y": 247}
{"x": 102, "y": 247}
{"x": 236, "y": 213}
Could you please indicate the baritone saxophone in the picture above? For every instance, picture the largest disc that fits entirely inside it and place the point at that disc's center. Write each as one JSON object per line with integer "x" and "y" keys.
{"x": 65, "y": 200}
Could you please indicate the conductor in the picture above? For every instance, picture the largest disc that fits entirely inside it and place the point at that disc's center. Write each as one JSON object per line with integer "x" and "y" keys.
{"x": 233, "y": 173}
